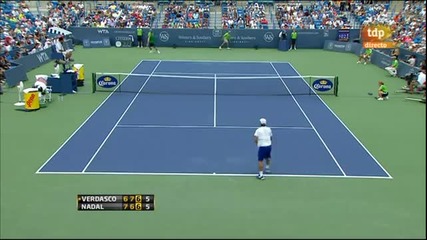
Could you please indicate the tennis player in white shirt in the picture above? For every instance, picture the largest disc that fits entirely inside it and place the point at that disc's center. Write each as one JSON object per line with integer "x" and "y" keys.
{"x": 263, "y": 138}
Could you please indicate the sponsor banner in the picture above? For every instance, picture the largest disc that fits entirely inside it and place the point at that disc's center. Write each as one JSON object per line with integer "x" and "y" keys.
{"x": 15, "y": 74}
{"x": 379, "y": 57}
{"x": 382, "y": 60}
{"x": 337, "y": 46}
{"x": 124, "y": 41}
{"x": 323, "y": 85}
{"x": 107, "y": 81}
{"x": 240, "y": 38}
{"x": 96, "y": 43}
{"x": 26, "y": 63}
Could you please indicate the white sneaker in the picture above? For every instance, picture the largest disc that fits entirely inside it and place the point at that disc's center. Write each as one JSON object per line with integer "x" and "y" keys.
{"x": 365, "y": 63}
{"x": 386, "y": 97}
{"x": 220, "y": 48}
{"x": 228, "y": 48}
{"x": 380, "y": 99}
{"x": 158, "y": 51}
{"x": 358, "y": 61}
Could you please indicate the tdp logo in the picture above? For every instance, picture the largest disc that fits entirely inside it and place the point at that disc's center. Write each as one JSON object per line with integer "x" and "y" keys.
{"x": 377, "y": 36}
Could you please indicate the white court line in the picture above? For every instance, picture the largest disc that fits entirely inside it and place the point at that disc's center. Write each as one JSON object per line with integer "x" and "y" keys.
{"x": 123, "y": 114}
{"x": 87, "y": 119}
{"x": 215, "y": 61}
{"x": 211, "y": 174}
{"x": 361, "y": 144}
{"x": 217, "y": 73}
{"x": 214, "y": 113}
{"x": 206, "y": 126}
{"x": 308, "y": 119}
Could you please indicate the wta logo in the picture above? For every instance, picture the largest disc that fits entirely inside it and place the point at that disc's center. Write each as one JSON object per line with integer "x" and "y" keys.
{"x": 377, "y": 36}
{"x": 107, "y": 81}
{"x": 322, "y": 85}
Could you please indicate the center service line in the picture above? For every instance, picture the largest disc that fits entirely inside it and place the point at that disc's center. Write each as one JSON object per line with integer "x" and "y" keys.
{"x": 214, "y": 113}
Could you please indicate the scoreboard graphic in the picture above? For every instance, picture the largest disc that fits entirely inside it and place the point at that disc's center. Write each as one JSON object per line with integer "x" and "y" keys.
{"x": 108, "y": 202}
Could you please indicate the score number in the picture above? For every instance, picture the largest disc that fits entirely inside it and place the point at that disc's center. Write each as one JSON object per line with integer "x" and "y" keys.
{"x": 138, "y": 206}
{"x": 138, "y": 202}
{"x": 138, "y": 199}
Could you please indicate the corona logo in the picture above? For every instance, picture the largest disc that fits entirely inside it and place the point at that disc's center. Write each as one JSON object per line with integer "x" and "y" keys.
{"x": 323, "y": 85}
{"x": 107, "y": 81}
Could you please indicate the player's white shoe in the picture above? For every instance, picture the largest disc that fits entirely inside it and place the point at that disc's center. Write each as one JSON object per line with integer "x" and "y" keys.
{"x": 220, "y": 47}
{"x": 260, "y": 177}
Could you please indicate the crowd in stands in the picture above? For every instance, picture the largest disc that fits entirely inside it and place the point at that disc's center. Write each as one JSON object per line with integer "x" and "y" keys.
{"x": 316, "y": 15}
{"x": 186, "y": 16}
{"x": 253, "y": 16}
{"x": 22, "y": 33}
{"x": 121, "y": 15}
{"x": 409, "y": 24}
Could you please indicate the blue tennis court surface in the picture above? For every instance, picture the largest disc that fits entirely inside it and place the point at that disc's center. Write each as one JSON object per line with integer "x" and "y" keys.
{"x": 199, "y": 134}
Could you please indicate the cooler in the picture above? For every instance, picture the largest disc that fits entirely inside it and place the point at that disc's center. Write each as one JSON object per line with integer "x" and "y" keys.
{"x": 283, "y": 46}
{"x": 31, "y": 99}
{"x": 80, "y": 70}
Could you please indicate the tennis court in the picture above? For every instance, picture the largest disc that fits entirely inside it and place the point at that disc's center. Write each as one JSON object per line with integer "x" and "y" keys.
{"x": 304, "y": 201}
{"x": 198, "y": 118}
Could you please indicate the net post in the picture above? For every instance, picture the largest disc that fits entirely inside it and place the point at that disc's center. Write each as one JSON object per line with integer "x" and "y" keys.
{"x": 119, "y": 88}
{"x": 336, "y": 86}
{"x": 93, "y": 82}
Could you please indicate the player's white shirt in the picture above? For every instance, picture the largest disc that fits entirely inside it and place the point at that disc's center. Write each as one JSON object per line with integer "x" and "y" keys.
{"x": 264, "y": 135}
{"x": 421, "y": 78}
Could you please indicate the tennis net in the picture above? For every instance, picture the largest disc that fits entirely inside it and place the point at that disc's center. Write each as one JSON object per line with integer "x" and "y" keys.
{"x": 219, "y": 84}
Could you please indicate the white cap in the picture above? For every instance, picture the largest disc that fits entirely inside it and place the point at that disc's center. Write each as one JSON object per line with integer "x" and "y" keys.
{"x": 263, "y": 121}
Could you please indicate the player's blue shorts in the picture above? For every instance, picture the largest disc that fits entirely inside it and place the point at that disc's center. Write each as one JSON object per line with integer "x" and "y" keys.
{"x": 264, "y": 152}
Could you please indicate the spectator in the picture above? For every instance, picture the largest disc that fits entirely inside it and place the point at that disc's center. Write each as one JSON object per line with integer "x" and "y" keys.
{"x": 420, "y": 83}
{"x": 392, "y": 69}
{"x": 294, "y": 36}
{"x": 412, "y": 60}
{"x": 382, "y": 91}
